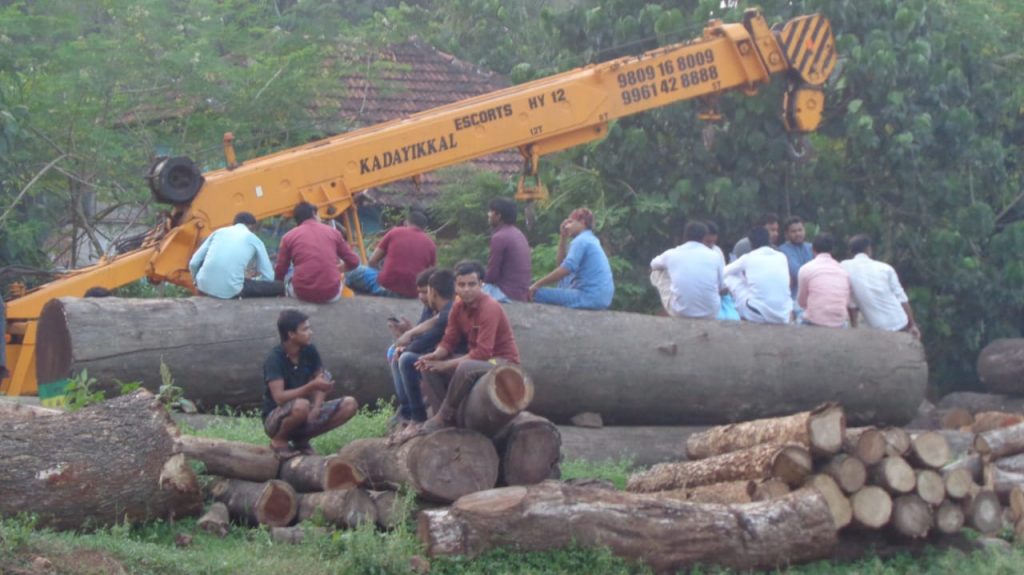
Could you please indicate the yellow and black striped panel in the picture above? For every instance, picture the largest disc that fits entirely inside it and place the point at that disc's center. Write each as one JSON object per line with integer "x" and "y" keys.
{"x": 810, "y": 47}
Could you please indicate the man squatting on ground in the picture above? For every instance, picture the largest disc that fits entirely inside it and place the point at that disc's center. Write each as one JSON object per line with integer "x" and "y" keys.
{"x": 479, "y": 321}
{"x": 294, "y": 409}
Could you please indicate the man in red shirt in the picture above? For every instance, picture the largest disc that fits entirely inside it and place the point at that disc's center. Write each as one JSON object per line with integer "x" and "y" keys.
{"x": 477, "y": 319}
{"x": 313, "y": 250}
{"x": 406, "y": 251}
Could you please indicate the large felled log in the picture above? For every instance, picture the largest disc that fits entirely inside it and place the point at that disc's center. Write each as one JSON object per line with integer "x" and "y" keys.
{"x": 99, "y": 466}
{"x": 790, "y": 463}
{"x": 344, "y": 508}
{"x": 529, "y": 449}
{"x": 441, "y": 466}
{"x": 1001, "y": 366}
{"x": 641, "y": 369}
{"x": 821, "y": 430}
{"x": 667, "y": 535}
{"x": 272, "y": 503}
{"x": 495, "y": 399}
{"x": 1001, "y": 442}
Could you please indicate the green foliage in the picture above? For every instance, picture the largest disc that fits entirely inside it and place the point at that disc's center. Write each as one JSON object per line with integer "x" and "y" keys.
{"x": 80, "y": 391}
{"x": 170, "y": 395}
{"x": 616, "y": 471}
{"x": 16, "y": 533}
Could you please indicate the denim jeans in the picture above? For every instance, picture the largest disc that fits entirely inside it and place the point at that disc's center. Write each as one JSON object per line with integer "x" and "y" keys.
{"x": 567, "y": 296}
{"x": 407, "y": 386}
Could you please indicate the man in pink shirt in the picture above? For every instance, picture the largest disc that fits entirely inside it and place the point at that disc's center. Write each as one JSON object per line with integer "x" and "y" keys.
{"x": 823, "y": 286}
{"x": 313, "y": 250}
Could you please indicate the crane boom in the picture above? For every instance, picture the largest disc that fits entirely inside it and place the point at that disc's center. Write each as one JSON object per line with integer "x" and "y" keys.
{"x": 538, "y": 118}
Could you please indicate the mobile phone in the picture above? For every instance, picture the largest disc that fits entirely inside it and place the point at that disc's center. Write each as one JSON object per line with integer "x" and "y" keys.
{"x": 393, "y": 319}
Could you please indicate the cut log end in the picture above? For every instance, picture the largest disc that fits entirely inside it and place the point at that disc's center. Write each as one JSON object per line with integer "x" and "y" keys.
{"x": 770, "y": 489}
{"x": 867, "y": 444}
{"x": 512, "y": 391}
{"x": 848, "y": 472}
{"x": 530, "y": 448}
{"x": 912, "y": 516}
{"x": 872, "y": 507}
{"x": 897, "y": 441}
{"x": 826, "y": 429}
{"x": 931, "y": 487}
{"x": 838, "y": 504}
{"x": 340, "y": 474}
{"x": 792, "y": 464}
{"x": 958, "y": 482}
{"x": 949, "y": 518}
{"x": 930, "y": 449}
{"x": 984, "y": 512}
{"x": 277, "y": 504}
{"x": 895, "y": 474}
{"x": 450, "y": 463}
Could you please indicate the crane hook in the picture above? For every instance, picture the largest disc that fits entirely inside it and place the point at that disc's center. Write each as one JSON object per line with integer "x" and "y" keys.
{"x": 800, "y": 148}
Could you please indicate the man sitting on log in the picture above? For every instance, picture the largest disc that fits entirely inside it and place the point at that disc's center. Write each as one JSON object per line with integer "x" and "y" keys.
{"x": 689, "y": 277}
{"x": 219, "y": 266}
{"x": 479, "y": 321}
{"x": 583, "y": 275}
{"x": 876, "y": 292}
{"x": 759, "y": 281}
{"x": 437, "y": 294}
{"x": 294, "y": 409}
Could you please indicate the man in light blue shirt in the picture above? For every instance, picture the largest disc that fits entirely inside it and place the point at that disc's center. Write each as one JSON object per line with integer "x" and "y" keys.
{"x": 218, "y": 267}
{"x": 798, "y": 252}
{"x": 583, "y": 274}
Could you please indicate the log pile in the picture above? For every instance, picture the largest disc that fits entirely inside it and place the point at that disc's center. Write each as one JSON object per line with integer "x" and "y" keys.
{"x": 910, "y": 484}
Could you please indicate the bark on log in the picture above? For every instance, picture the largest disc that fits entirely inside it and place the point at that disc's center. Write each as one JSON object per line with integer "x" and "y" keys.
{"x": 529, "y": 450}
{"x": 989, "y": 420}
{"x": 644, "y": 446}
{"x": 495, "y": 399}
{"x": 216, "y": 520}
{"x": 667, "y": 535}
{"x": 895, "y": 475}
{"x": 872, "y": 507}
{"x": 1001, "y": 366}
{"x": 866, "y": 443}
{"x": 931, "y": 487}
{"x": 770, "y": 489}
{"x": 389, "y": 508}
{"x": 912, "y": 516}
{"x": 343, "y": 508}
{"x": 272, "y": 503}
{"x": 1016, "y": 503}
{"x": 949, "y": 517}
{"x": 441, "y": 466}
{"x": 728, "y": 493}
{"x": 790, "y": 463}
{"x": 1001, "y": 442}
{"x": 848, "y": 472}
{"x": 102, "y": 465}
{"x": 838, "y": 504}
{"x": 654, "y": 371}
{"x": 929, "y": 449}
{"x": 977, "y": 402}
{"x": 821, "y": 430}
{"x": 984, "y": 512}
{"x": 956, "y": 418}
{"x": 1014, "y": 463}
{"x": 10, "y": 411}
{"x": 1002, "y": 481}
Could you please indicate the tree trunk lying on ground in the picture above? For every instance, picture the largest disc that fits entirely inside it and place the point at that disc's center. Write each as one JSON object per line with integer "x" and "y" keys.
{"x": 529, "y": 449}
{"x": 821, "y": 430}
{"x": 272, "y": 503}
{"x": 640, "y": 369}
{"x": 790, "y": 463}
{"x": 239, "y": 460}
{"x": 105, "y": 464}
{"x": 495, "y": 399}
{"x": 1001, "y": 442}
{"x": 667, "y": 535}
{"x": 441, "y": 466}
{"x": 1001, "y": 366}
{"x": 343, "y": 508}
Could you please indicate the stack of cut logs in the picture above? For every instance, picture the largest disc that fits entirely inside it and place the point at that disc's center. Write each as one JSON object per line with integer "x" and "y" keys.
{"x": 495, "y": 442}
{"x": 910, "y": 483}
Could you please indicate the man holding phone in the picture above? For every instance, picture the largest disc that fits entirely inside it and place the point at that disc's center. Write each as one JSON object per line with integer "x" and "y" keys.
{"x": 294, "y": 406}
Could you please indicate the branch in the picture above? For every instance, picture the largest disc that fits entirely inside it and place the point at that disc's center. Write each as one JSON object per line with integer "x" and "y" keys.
{"x": 1010, "y": 206}
{"x": 24, "y": 190}
{"x": 267, "y": 85}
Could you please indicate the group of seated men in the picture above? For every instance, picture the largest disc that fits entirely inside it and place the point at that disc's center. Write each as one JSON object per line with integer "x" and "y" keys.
{"x": 795, "y": 282}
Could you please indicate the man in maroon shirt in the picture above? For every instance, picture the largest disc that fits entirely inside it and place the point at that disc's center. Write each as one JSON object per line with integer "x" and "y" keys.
{"x": 406, "y": 251}
{"x": 313, "y": 250}
{"x": 509, "y": 272}
{"x": 479, "y": 321}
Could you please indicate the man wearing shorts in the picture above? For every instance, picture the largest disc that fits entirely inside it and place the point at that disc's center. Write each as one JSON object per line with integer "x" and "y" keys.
{"x": 294, "y": 410}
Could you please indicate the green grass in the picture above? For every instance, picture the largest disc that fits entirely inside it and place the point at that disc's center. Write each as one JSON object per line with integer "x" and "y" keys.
{"x": 151, "y": 548}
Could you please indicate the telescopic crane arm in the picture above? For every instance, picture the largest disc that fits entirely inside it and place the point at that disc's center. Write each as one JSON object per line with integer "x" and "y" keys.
{"x": 538, "y": 118}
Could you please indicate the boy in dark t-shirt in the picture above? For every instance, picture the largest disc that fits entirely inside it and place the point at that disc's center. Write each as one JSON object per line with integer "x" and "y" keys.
{"x": 296, "y": 384}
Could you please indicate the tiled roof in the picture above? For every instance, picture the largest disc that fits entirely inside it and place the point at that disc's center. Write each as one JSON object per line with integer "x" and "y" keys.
{"x": 413, "y": 77}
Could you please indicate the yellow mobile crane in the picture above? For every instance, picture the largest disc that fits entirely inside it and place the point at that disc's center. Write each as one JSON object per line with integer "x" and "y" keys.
{"x": 538, "y": 118}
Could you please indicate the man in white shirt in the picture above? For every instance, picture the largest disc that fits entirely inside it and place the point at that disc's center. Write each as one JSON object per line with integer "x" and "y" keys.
{"x": 219, "y": 265}
{"x": 823, "y": 286}
{"x": 694, "y": 276}
{"x": 759, "y": 281}
{"x": 876, "y": 292}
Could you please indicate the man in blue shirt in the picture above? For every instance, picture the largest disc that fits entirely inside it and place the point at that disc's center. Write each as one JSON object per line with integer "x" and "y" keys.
{"x": 218, "y": 267}
{"x": 798, "y": 252}
{"x": 583, "y": 274}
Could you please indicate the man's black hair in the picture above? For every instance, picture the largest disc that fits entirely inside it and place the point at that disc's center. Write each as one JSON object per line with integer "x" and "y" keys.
{"x": 98, "y": 291}
{"x": 245, "y": 218}
{"x": 759, "y": 237}
{"x": 790, "y": 221}
{"x": 443, "y": 282}
{"x": 695, "y": 232}
{"x": 289, "y": 321}
{"x": 505, "y": 208}
{"x": 467, "y": 267}
{"x": 423, "y": 278}
{"x": 767, "y": 218}
{"x": 303, "y": 212}
{"x": 859, "y": 244}
{"x": 418, "y": 219}
{"x": 712, "y": 227}
{"x": 823, "y": 243}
